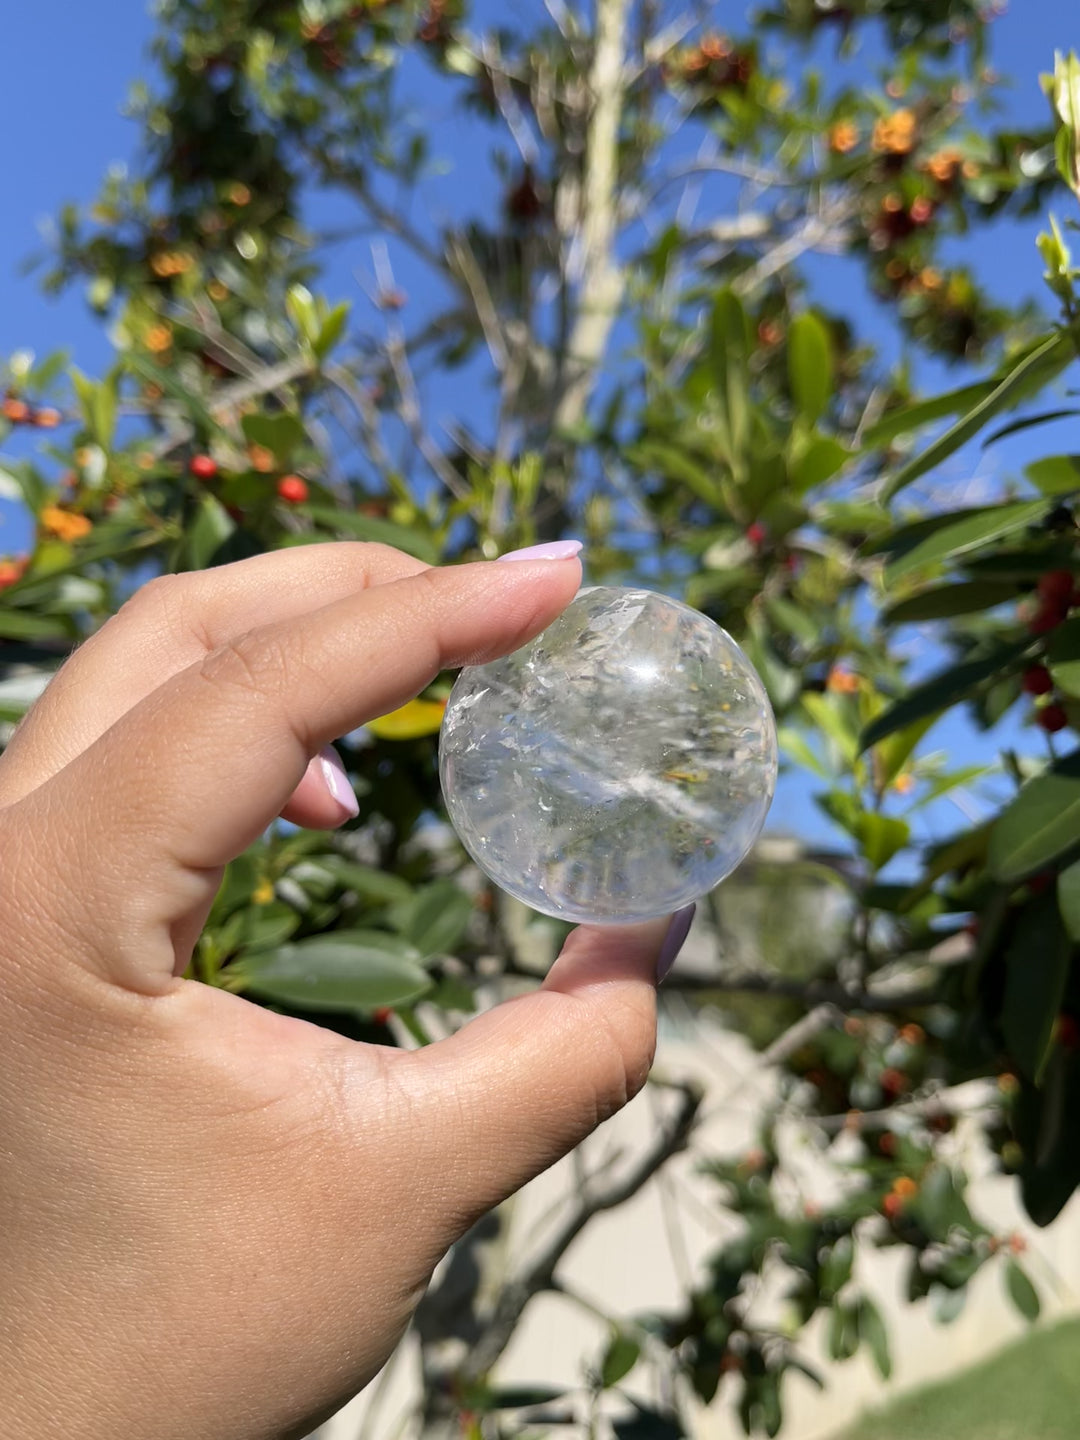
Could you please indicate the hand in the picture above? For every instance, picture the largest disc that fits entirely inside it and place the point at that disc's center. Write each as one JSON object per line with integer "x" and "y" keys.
{"x": 217, "y": 1220}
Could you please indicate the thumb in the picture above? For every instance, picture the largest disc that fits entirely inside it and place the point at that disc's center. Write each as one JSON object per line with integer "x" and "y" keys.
{"x": 524, "y": 1083}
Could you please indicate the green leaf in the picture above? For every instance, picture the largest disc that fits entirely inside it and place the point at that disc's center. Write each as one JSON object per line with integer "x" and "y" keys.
{"x": 674, "y": 463}
{"x": 837, "y": 1267}
{"x": 384, "y": 532}
{"x": 206, "y": 534}
{"x": 1036, "y": 367}
{"x": 436, "y": 918}
{"x": 874, "y": 1336}
{"x": 26, "y": 625}
{"x": 818, "y": 461}
{"x": 729, "y": 355}
{"x": 900, "y": 540}
{"x": 1022, "y": 1292}
{"x": 843, "y": 1332}
{"x": 281, "y": 434}
{"x": 795, "y": 745}
{"x": 303, "y": 312}
{"x": 332, "y": 329}
{"x": 810, "y": 366}
{"x": 1036, "y": 973}
{"x": 881, "y": 837}
{"x": 1027, "y": 423}
{"x": 1042, "y": 823}
{"x": 942, "y": 690}
{"x": 941, "y": 602}
{"x": 794, "y": 619}
{"x": 835, "y": 719}
{"x": 619, "y": 1359}
{"x": 1068, "y": 893}
{"x": 970, "y": 533}
{"x": 1056, "y": 475}
{"x": 894, "y": 753}
{"x": 366, "y": 880}
{"x": 914, "y": 417}
{"x": 1063, "y": 656}
{"x": 346, "y": 970}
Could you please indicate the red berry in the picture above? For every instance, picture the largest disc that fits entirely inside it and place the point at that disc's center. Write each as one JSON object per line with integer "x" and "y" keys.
{"x": 1067, "y": 1032}
{"x": 893, "y": 1081}
{"x": 1048, "y": 618}
{"x": 1055, "y": 588}
{"x": 1038, "y": 681}
{"x": 382, "y": 1014}
{"x": 921, "y": 210}
{"x": 203, "y": 467}
{"x": 1052, "y": 718}
{"x": 293, "y": 490}
{"x": 756, "y": 533}
{"x": 892, "y": 1205}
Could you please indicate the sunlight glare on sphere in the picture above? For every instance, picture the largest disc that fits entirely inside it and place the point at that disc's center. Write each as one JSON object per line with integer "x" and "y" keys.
{"x": 616, "y": 767}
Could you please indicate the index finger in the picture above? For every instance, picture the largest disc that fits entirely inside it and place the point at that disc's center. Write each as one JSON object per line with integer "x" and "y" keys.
{"x": 171, "y": 623}
{"x": 192, "y": 775}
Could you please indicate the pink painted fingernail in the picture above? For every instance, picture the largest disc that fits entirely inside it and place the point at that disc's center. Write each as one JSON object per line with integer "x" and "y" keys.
{"x": 553, "y": 550}
{"x": 337, "y": 782}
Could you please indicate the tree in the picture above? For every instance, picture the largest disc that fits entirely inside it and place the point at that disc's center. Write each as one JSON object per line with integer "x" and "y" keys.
{"x": 629, "y": 307}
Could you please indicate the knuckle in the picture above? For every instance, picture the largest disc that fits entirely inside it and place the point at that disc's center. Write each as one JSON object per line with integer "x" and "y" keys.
{"x": 251, "y": 661}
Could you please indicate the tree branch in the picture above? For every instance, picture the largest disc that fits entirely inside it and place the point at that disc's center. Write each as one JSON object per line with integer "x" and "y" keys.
{"x": 807, "y": 992}
{"x": 601, "y": 280}
{"x": 540, "y": 1275}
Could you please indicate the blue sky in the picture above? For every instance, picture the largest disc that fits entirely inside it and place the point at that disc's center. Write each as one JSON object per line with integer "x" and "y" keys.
{"x": 64, "y": 73}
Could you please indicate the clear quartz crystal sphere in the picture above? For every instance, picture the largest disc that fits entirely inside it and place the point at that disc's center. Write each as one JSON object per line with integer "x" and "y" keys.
{"x": 617, "y": 766}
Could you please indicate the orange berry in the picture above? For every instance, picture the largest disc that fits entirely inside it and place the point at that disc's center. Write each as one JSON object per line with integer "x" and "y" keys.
{"x": 158, "y": 339}
{"x": 64, "y": 524}
{"x": 261, "y": 458}
{"x": 12, "y": 571}
{"x": 15, "y": 410}
{"x": 843, "y": 137}
{"x": 842, "y": 681}
{"x": 905, "y": 1187}
{"x": 47, "y": 419}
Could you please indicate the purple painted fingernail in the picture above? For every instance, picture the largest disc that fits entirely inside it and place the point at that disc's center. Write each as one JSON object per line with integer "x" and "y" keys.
{"x": 674, "y": 940}
{"x": 337, "y": 782}
{"x": 553, "y": 550}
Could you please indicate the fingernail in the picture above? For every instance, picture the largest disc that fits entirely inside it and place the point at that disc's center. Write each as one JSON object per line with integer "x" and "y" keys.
{"x": 674, "y": 940}
{"x": 553, "y": 550}
{"x": 337, "y": 782}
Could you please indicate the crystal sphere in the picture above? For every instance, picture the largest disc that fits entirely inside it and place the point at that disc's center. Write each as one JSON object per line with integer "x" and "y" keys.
{"x": 617, "y": 766}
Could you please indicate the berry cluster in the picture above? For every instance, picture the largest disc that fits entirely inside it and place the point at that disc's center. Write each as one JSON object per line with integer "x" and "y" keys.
{"x": 1057, "y": 593}
{"x": 20, "y": 412}
{"x": 714, "y": 64}
{"x": 292, "y": 489}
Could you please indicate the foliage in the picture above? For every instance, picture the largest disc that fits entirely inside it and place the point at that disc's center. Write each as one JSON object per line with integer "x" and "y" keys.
{"x": 640, "y": 360}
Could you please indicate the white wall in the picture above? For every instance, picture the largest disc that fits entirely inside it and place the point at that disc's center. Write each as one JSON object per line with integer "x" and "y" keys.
{"x": 639, "y": 1258}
